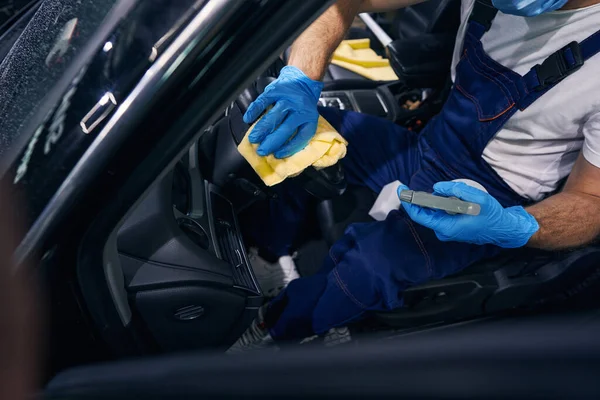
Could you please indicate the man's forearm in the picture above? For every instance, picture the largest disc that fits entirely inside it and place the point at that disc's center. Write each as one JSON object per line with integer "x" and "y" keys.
{"x": 385, "y": 5}
{"x": 313, "y": 49}
{"x": 566, "y": 220}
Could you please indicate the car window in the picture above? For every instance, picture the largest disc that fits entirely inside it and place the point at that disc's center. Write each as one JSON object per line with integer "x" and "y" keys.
{"x": 9, "y": 8}
{"x": 56, "y": 34}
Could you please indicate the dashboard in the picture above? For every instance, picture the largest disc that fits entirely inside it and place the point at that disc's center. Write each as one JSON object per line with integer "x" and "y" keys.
{"x": 191, "y": 218}
{"x": 184, "y": 263}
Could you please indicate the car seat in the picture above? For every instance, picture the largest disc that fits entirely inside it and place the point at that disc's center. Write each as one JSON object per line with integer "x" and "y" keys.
{"x": 441, "y": 16}
{"x": 525, "y": 280}
{"x": 517, "y": 279}
{"x": 434, "y": 18}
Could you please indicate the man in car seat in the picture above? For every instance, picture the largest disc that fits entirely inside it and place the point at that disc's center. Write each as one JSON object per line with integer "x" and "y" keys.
{"x": 523, "y": 114}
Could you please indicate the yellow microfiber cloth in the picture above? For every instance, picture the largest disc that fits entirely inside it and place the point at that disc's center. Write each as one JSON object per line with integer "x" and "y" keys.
{"x": 357, "y": 56}
{"x": 325, "y": 149}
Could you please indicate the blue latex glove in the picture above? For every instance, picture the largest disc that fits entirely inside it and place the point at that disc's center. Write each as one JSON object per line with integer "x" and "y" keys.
{"x": 292, "y": 122}
{"x": 528, "y": 8}
{"x": 505, "y": 227}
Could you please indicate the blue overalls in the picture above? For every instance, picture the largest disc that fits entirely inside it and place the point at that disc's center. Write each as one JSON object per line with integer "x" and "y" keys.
{"x": 371, "y": 266}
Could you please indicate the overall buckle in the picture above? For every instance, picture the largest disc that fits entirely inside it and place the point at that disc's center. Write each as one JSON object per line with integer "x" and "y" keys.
{"x": 559, "y": 65}
{"x": 483, "y": 13}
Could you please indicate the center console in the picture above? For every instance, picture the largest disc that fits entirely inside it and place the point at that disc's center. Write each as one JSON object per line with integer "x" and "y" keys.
{"x": 393, "y": 101}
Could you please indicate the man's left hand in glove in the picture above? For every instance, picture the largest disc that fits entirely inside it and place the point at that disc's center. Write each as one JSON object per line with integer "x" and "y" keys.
{"x": 505, "y": 227}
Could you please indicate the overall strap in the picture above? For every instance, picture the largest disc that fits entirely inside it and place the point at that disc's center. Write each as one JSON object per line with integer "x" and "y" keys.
{"x": 481, "y": 18}
{"x": 560, "y": 64}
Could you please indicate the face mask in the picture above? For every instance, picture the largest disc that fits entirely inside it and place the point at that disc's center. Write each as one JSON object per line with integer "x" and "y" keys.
{"x": 528, "y": 8}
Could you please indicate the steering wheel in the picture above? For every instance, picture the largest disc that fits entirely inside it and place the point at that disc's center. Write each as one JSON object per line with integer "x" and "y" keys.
{"x": 324, "y": 184}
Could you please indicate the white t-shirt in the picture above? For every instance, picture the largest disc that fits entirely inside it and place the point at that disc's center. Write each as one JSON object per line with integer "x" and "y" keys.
{"x": 537, "y": 147}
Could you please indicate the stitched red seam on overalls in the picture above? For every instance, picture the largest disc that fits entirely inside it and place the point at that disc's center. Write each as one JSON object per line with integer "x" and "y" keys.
{"x": 479, "y": 113}
{"x": 485, "y": 64}
{"x": 489, "y": 78}
{"x": 345, "y": 289}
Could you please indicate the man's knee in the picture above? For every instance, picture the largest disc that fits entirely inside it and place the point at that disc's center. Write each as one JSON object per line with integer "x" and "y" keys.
{"x": 367, "y": 270}
{"x": 376, "y": 262}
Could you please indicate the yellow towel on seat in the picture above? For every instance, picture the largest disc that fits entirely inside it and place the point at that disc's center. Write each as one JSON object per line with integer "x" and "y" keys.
{"x": 325, "y": 149}
{"x": 357, "y": 56}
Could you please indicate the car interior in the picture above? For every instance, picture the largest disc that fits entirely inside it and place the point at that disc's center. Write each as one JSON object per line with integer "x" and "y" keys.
{"x": 177, "y": 270}
{"x": 183, "y": 252}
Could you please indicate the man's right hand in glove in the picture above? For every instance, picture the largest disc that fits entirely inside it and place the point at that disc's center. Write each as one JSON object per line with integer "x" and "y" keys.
{"x": 290, "y": 125}
{"x": 292, "y": 122}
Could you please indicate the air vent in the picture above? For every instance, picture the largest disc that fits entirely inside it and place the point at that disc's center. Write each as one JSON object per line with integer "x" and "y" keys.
{"x": 230, "y": 243}
{"x": 189, "y": 313}
{"x": 195, "y": 232}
